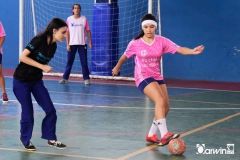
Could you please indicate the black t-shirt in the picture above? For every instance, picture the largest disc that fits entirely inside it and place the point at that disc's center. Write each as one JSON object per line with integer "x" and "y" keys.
{"x": 41, "y": 52}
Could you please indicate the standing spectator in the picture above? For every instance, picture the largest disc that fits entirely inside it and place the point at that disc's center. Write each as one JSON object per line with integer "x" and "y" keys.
{"x": 2, "y": 80}
{"x": 76, "y": 41}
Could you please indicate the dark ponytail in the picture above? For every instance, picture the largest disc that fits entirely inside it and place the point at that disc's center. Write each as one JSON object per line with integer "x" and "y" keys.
{"x": 55, "y": 23}
{"x": 140, "y": 35}
{"x": 145, "y": 17}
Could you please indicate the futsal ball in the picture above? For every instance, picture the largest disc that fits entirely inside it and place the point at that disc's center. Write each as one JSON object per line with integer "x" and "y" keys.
{"x": 176, "y": 146}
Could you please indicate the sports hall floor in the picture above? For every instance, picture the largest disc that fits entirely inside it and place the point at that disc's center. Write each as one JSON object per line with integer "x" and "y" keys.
{"x": 108, "y": 120}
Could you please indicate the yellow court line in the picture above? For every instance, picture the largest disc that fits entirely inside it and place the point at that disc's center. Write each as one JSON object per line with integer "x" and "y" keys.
{"x": 210, "y": 124}
{"x": 182, "y": 135}
{"x": 55, "y": 154}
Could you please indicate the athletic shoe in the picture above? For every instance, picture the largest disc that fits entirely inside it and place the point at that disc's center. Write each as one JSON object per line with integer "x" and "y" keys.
{"x": 167, "y": 138}
{"x": 153, "y": 139}
{"x": 4, "y": 97}
{"x": 30, "y": 147}
{"x": 87, "y": 82}
{"x": 57, "y": 144}
{"x": 63, "y": 81}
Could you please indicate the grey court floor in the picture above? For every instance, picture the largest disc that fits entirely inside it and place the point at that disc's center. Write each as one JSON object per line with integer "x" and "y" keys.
{"x": 110, "y": 121}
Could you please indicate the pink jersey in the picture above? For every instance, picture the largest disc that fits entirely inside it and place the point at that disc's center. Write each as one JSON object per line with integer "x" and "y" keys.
{"x": 77, "y": 28}
{"x": 147, "y": 56}
{"x": 2, "y": 34}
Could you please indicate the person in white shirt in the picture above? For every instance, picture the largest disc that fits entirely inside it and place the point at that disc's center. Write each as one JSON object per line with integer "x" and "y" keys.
{"x": 76, "y": 41}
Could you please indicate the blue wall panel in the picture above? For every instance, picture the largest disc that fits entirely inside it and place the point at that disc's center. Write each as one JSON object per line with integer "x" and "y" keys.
{"x": 211, "y": 23}
{"x": 9, "y": 16}
{"x": 188, "y": 23}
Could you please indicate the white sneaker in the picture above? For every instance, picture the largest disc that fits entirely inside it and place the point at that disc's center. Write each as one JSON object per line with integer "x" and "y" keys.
{"x": 63, "y": 81}
{"x": 87, "y": 82}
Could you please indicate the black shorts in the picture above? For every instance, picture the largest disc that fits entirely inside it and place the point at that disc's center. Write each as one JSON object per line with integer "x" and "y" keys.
{"x": 0, "y": 58}
{"x": 147, "y": 81}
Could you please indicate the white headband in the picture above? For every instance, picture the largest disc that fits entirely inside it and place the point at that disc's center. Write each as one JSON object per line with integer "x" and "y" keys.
{"x": 149, "y": 21}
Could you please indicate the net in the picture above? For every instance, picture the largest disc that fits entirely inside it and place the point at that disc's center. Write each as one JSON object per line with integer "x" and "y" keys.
{"x": 38, "y": 13}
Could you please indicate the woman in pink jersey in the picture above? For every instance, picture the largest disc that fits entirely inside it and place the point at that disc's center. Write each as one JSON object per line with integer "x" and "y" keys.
{"x": 2, "y": 80}
{"x": 147, "y": 50}
{"x": 76, "y": 41}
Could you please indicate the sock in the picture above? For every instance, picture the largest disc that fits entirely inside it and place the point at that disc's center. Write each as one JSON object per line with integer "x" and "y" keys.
{"x": 161, "y": 123}
{"x": 153, "y": 130}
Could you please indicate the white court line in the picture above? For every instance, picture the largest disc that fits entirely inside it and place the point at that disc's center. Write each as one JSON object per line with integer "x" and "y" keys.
{"x": 204, "y": 108}
{"x": 132, "y": 85}
{"x": 100, "y": 95}
{"x": 141, "y": 108}
{"x": 107, "y": 95}
{"x": 167, "y": 86}
{"x": 145, "y": 108}
{"x": 189, "y": 101}
{"x": 205, "y": 89}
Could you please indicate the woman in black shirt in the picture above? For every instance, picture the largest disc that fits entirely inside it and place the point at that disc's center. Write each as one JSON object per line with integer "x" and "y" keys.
{"x": 28, "y": 80}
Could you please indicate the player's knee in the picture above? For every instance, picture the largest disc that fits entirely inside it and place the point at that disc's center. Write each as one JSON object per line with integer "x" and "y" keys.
{"x": 51, "y": 111}
{"x": 167, "y": 106}
{"x": 27, "y": 120}
{"x": 84, "y": 65}
{"x": 160, "y": 100}
{"x": 160, "y": 104}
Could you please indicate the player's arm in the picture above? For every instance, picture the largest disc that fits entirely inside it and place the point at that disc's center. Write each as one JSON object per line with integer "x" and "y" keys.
{"x": 67, "y": 40}
{"x": 188, "y": 51}
{"x": 2, "y": 39}
{"x": 25, "y": 59}
{"x": 116, "y": 69}
{"x": 89, "y": 38}
{"x": 87, "y": 28}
